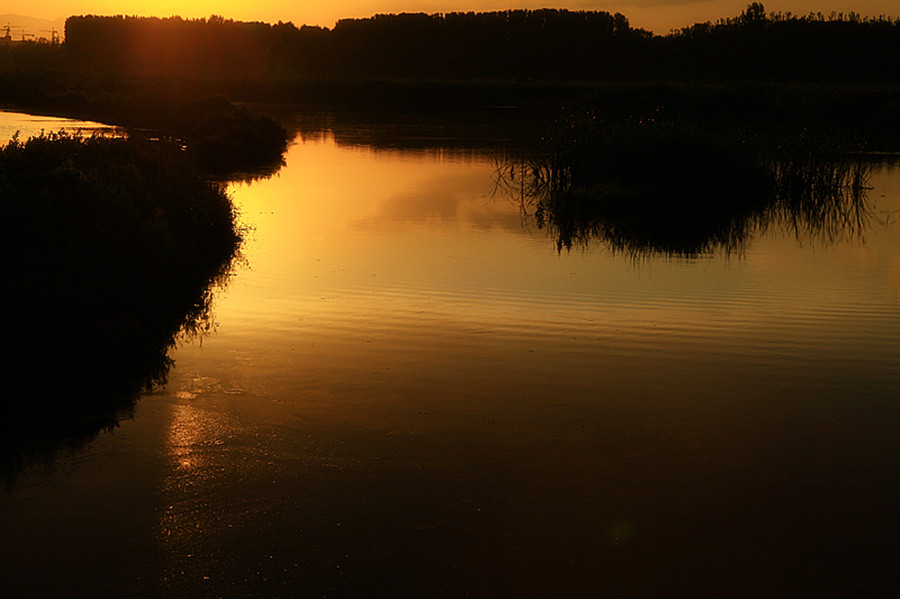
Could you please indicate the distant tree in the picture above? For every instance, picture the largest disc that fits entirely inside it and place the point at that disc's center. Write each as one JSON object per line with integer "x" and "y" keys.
{"x": 755, "y": 13}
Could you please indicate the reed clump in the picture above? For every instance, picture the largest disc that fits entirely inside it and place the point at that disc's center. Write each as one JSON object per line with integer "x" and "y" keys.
{"x": 820, "y": 197}
{"x": 657, "y": 188}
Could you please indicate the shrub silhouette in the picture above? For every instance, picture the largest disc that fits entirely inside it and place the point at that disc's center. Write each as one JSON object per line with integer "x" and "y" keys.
{"x": 111, "y": 247}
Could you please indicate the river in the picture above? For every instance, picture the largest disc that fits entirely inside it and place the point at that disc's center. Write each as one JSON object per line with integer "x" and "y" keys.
{"x": 409, "y": 391}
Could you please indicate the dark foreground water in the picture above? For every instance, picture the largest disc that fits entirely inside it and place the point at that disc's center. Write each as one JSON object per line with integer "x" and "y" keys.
{"x": 410, "y": 393}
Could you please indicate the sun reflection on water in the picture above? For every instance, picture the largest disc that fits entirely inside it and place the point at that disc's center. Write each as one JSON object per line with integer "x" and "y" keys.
{"x": 196, "y": 435}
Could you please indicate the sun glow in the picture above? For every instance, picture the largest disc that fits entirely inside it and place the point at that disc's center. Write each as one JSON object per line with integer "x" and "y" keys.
{"x": 658, "y": 16}
{"x": 313, "y": 13}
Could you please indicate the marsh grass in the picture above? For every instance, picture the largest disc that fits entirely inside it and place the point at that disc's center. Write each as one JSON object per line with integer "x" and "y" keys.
{"x": 222, "y": 137}
{"x": 651, "y": 188}
{"x": 111, "y": 248}
{"x": 822, "y": 198}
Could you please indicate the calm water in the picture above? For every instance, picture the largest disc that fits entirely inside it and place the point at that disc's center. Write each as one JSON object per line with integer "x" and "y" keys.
{"x": 409, "y": 392}
{"x": 29, "y": 125}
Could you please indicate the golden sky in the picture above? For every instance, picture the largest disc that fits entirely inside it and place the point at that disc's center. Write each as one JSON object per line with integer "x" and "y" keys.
{"x": 656, "y": 15}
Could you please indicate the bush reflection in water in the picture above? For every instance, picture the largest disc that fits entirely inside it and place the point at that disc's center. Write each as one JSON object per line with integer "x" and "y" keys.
{"x": 650, "y": 189}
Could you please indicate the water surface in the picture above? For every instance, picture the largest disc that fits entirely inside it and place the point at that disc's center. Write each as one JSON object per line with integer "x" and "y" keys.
{"x": 410, "y": 392}
{"x": 30, "y": 125}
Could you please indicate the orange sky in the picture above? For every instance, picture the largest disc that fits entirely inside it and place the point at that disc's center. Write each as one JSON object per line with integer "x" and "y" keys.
{"x": 656, "y": 15}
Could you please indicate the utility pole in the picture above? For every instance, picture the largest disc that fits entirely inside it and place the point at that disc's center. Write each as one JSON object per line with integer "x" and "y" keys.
{"x": 54, "y": 35}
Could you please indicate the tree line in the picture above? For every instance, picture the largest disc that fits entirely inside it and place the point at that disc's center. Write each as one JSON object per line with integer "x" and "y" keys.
{"x": 545, "y": 44}
{"x": 783, "y": 46}
{"x": 150, "y": 45}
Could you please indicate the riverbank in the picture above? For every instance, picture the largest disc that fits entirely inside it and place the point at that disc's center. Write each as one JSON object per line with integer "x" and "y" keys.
{"x": 222, "y": 137}
{"x": 111, "y": 250}
{"x": 866, "y": 113}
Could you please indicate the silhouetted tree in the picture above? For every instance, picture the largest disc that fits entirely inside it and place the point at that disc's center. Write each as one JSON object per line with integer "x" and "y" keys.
{"x": 755, "y": 13}
{"x": 544, "y": 45}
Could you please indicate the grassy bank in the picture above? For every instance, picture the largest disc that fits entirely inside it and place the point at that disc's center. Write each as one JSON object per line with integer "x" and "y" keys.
{"x": 189, "y": 105}
{"x": 221, "y": 136}
{"x": 110, "y": 249}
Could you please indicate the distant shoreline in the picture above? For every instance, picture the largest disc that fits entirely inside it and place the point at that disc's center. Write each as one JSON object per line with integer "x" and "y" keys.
{"x": 833, "y": 76}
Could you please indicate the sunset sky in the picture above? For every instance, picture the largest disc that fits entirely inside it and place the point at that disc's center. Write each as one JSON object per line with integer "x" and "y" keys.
{"x": 658, "y": 16}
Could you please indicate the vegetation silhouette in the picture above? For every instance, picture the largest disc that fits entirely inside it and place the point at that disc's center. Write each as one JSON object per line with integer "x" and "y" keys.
{"x": 548, "y": 44}
{"x": 831, "y": 72}
{"x": 111, "y": 249}
{"x": 224, "y": 139}
{"x": 220, "y": 136}
{"x": 169, "y": 46}
{"x": 782, "y": 46}
{"x": 650, "y": 189}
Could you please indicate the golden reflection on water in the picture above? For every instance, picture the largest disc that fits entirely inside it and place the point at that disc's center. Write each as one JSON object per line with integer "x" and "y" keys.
{"x": 195, "y": 440}
{"x": 407, "y": 382}
{"x": 187, "y": 434}
{"x": 404, "y": 359}
{"x": 27, "y": 125}
{"x": 349, "y": 237}
{"x": 367, "y": 261}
